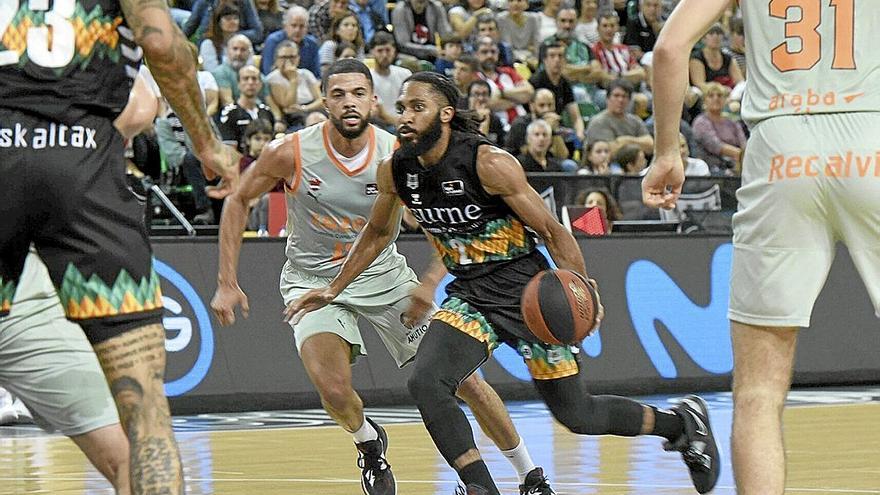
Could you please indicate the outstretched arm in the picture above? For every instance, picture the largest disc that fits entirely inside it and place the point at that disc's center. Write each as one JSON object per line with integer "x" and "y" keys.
{"x": 173, "y": 65}
{"x": 277, "y": 161}
{"x": 379, "y": 231}
{"x": 690, "y": 20}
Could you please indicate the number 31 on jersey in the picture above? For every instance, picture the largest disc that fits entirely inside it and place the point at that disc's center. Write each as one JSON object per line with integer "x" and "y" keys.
{"x": 806, "y": 31}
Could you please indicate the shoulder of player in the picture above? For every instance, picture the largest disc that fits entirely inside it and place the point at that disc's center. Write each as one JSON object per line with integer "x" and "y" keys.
{"x": 385, "y": 163}
{"x": 491, "y": 159}
{"x": 385, "y": 175}
{"x": 488, "y": 151}
{"x": 263, "y": 106}
{"x": 280, "y": 152}
{"x": 497, "y": 170}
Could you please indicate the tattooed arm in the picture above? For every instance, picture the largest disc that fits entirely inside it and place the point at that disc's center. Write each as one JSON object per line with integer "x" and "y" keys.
{"x": 173, "y": 65}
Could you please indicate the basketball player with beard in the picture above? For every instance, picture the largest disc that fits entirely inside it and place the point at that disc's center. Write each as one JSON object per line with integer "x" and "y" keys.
{"x": 330, "y": 174}
{"x": 474, "y": 201}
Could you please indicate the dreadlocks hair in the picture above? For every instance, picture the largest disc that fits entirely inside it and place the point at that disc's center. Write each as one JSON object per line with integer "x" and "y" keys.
{"x": 462, "y": 120}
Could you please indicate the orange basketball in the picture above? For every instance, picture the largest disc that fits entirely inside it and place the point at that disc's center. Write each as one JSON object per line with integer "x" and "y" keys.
{"x": 559, "y": 307}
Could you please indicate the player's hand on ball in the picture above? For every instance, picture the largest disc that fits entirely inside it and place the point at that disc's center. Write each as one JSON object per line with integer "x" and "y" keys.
{"x": 308, "y": 302}
{"x": 421, "y": 301}
{"x": 224, "y": 302}
{"x": 600, "y": 312}
{"x": 662, "y": 184}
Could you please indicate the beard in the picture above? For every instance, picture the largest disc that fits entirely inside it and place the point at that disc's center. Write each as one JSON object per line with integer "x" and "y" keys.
{"x": 347, "y": 132}
{"x": 413, "y": 147}
{"x": 237, "y": 64}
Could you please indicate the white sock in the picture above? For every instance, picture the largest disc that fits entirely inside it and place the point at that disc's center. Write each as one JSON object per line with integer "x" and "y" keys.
{"x": 365, "y": 433}
{"x": 520, "y": 459}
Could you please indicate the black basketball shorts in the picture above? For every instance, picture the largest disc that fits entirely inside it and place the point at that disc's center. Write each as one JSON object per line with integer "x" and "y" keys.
{"x": 63, "y": 189}
{"x": 488, "y": 309}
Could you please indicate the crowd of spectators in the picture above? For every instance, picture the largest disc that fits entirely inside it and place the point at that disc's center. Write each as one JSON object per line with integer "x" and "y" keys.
{"x": 563, "y": 85}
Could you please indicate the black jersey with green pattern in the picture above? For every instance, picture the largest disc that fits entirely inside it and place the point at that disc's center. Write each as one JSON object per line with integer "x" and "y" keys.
{"x": 62, "y": 59}
{"x": 471, "y": 229}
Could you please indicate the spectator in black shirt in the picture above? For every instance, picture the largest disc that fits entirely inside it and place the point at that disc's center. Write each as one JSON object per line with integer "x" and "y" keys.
{"x": 543, "y": 107}
{"x": 235, "y": 117}
{"x": 550, "y": 77}
{"x": 535, "y": 158}
{"x": 270, "y": 14}
{"x": 642, "y": 30}
{"x": 478, "y": 101}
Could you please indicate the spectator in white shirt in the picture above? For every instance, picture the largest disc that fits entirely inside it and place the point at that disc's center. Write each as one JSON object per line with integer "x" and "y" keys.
{"x": 387, "y": 77}
{"x": 692, "y": 166}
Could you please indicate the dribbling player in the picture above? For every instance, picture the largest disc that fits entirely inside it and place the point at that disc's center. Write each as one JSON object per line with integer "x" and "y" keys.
{"x": 474, "y": 201}
{"x": 330, "y": 172}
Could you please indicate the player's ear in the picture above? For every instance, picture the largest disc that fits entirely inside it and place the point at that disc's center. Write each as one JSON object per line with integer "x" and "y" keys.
{"x": 446, "y": 114}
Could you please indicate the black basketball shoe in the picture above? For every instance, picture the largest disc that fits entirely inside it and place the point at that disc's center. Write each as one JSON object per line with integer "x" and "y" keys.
{"x": 376, "y": 475}
{"x": 697, "y": 444}
{"x": 536, "y": 484}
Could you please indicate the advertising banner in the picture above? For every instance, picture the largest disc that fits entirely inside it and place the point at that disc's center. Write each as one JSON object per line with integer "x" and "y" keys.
{"x": 665, "y": 327}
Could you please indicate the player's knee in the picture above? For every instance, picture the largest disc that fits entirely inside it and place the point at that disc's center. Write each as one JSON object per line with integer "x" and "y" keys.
{"x": 472, "y": 389}
{"x": 427, "y": 388}
{"x": 580, "y": 417}
{"x": 758, "y": 398}
{"x": 574, "y": 422}
{"x": 335, "y": 392}
{"x": 117, "y": 466}
{"x": 129, "y": 396}
{"x": 419, "y": 388}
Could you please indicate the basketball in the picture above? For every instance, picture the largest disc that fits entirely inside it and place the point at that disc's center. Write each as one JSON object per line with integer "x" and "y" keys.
{"x": 559, "y": 307}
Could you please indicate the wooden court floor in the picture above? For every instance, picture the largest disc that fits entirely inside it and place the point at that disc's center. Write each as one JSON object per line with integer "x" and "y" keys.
{"x": 833, "y": 446}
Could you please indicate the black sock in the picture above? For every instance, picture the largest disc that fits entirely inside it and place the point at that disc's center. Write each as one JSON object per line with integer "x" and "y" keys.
{"x": 478, "y": 474}
{"x": 667, "y": 424}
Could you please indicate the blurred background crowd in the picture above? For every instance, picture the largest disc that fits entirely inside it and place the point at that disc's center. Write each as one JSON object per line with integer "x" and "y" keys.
{"x": 563, "y": 86}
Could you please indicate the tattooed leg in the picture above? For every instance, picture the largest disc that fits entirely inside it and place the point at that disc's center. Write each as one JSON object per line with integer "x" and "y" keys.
{"x": 134, "y": 364}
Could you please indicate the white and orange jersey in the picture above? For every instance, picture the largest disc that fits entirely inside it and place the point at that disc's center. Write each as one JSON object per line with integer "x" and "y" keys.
{"x": 329, "y": 202}
{"x": 811, "y": 56}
